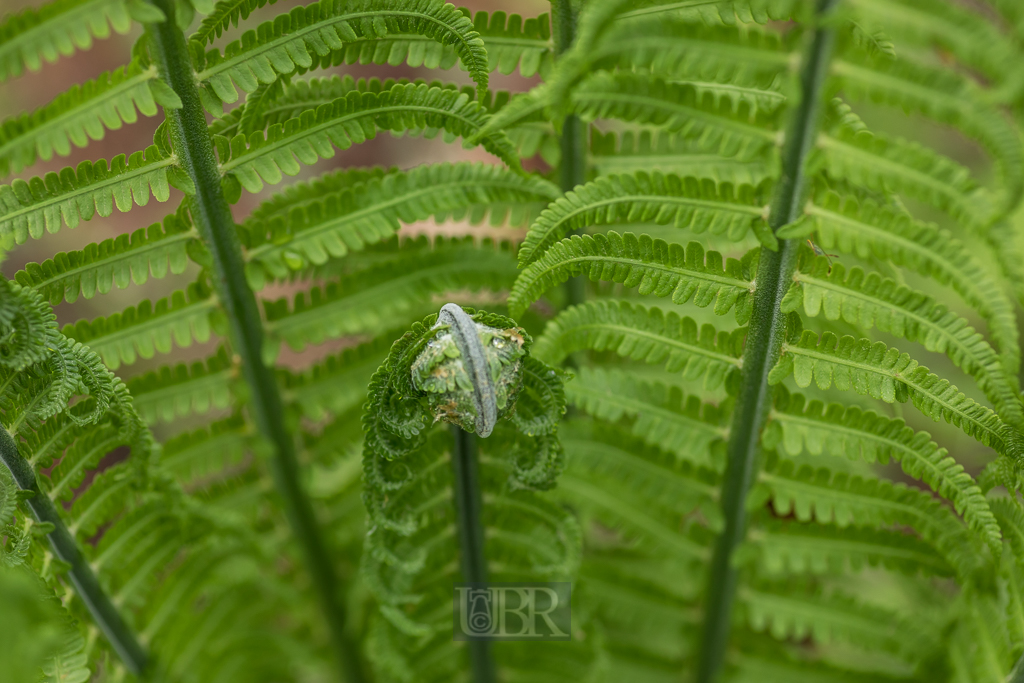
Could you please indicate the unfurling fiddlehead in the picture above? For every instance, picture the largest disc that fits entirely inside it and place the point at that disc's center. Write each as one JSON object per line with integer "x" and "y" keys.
{"x": 473, "y": 370}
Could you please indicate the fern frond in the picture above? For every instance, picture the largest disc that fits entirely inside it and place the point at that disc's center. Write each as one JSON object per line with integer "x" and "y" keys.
{"x": 651, "y": 265}
{"x": 91, "y": 189}
{"x": 699, "y": 205}
{"x": 716, "y": 12}
{"x": 869, "y": 300}
{"x": 195, "y": 457}
{"x": 637, "y": 488}
{"x": 79, "y": 115}
{"x": 336, "y": 384}
{"x": 225, "y": 14}
{"x": 119, "y": 261}
{"x": 867, "y": 229}
{"x": 277, "y": 48}
{"x": 885, "y": 164}
{"x": 309, "y": 223}
{"x": 796, "y": 426}
{"x": 946, "y": 97}
{"x": 179, "y": 390}
{"x": 630, "y": 152}
{"x": 58, "y": 28}
{"x": 778, "y": 547}
{"x": 663, "y": 415}
{"x": 795, "y": 614}
{"x": 352, "y": 120}
{"x": 370, "y": 301}
{"x": 512, "y": 42}
{"x": 144, "y": 330}
{"x": 879, "y": 371}
{"x": 720, "y": 119}
{"x": 824, "y": 497}
{"x": 646, "y": 334}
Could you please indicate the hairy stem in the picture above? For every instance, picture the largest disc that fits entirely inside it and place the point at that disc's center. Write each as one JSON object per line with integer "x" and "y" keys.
{"x": 88, "y": 588}
{"x": 764, "y": 344}
{"x": 468, "y": 510}
{"x": 212, "y": 215}
{"x": 572, "y": 169}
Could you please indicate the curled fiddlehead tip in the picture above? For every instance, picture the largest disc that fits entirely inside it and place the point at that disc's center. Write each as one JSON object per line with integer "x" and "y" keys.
{"x": 469, "y": 371}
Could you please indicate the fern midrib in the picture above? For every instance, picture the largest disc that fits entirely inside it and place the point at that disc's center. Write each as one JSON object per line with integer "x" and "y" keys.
{"x": 154, "y": 562}
{"x": 741, "y": 54}
{"x": 681, "y": 272}
{"x": 627, "y": 332}
{"x": 131, "y": 253}
{"x": 82, "y": 517}
{"x": 123, "y": 177}
{"x": 667, "y": 7}
{"x": 373, "y": 210}
{"x": 245, "y": 56}
{"x": 904, "y": 377}
{"x": 599, "y": 496}
{"x": 14, "y": 44}
{"x": 689, "y": 113}
{"x": 868, "y": 160}
{"x": 43, "y": 448}
{"x": 96, "y": 102}
{"x": 140, "y": 524}
{"x": 289, "y": 140}
{"x": 190, "y": 387}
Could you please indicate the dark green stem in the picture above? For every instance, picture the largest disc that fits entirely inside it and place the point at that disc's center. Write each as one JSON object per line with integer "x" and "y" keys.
{"x": 468, "y": 511}
{"x": 212, "y": 215}
{"x": 64, "y": 547}
{"x": 1016, "y": 674}
{"x": 572, "y": 169}
{"x": 764, "y": 345}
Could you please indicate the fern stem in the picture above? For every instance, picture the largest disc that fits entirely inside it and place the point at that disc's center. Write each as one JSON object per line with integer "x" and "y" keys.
{"x": 572, "y": 168}
{"x": 468, "y": 511}
{"x": 88, "y": 588}
{"x": 212, "y": 215}
{"x": 765, "y": 335}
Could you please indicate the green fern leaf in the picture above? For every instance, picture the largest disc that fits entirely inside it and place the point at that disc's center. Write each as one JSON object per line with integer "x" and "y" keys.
{"x": 896, "y": 165}
{"x": 369, "y": 302}
{"x": 77, "y": 116}
{"x": 869, "y": 300}
{"x": 225, "y": 14}
{"x": 73, "y": 195}
{"x": 144, "y": 330}
{"x": 646, "y": 334}
{"x": 179, "y": 390}
{"x": 652, "y": 266}
{"x": 796, "y": 427}
{"x": 699, "y": 205}
{"x": 513, "y": 42}
{"x": 630, "y": 152}
{"x": 55, "y": 29}
{"x": 278, "y": 47}
{"x": 663, "y": 416}
{"x": 351, "y": 120}
{"x": 867, "y": 229}
{"x": 639, "y": 489}
{"x": 944, "y": 96}
{"x": 776, "y": 547}
{"x": 310, "y": 223}
{"x": 200, "y": 455}
{"x": 824, "y": 497}
{"x": 882, "y": 372}
{"x": 827, "y": 618}
{"x": 336, "y": 384}
{"x": 120, "y": 261}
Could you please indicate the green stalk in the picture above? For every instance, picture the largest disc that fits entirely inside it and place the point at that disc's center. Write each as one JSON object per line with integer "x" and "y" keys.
{"x": 473, "y": 561}
{"x": 572, "y": 170}
{"x": 212, "y": 215}
{"x": 87, "y": 587}
{"x": 1016, "y": 674}
{"x": 764, "y": 345}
